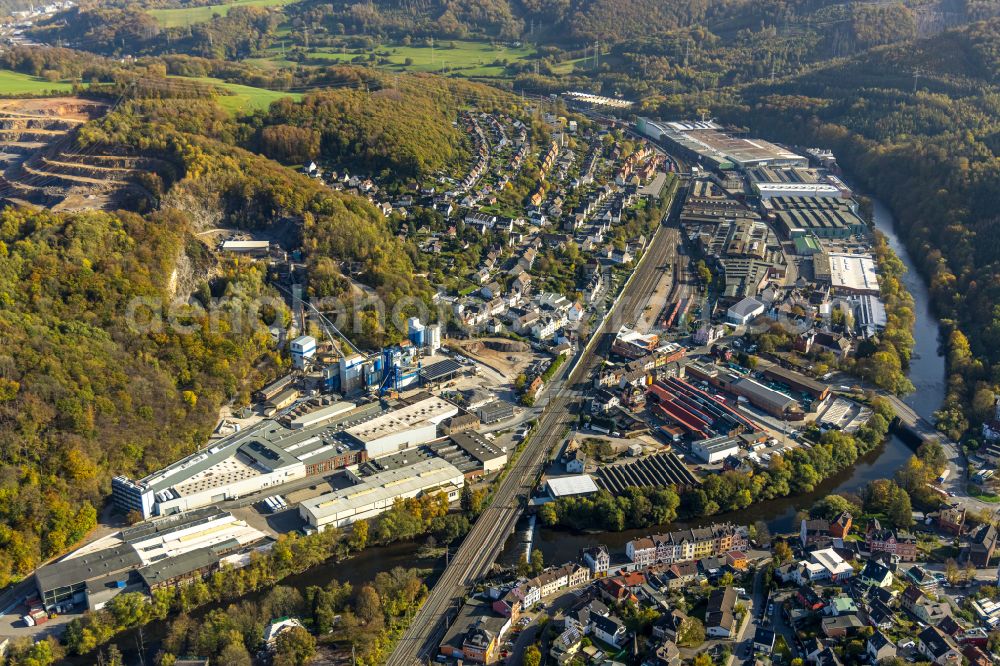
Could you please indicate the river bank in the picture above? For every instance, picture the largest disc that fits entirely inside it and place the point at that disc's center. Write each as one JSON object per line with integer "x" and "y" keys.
{"x": 927, "y": 372}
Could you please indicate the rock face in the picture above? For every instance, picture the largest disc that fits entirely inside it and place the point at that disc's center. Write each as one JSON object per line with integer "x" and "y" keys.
{"x": 507, "y": 345}
{"x": 41, "y": 165}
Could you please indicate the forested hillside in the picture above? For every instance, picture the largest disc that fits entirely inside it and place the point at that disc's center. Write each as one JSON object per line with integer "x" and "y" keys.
{"x": 84, "y": 395}
{"x": 403, "y": 126}
{"x": 214, "y": 181}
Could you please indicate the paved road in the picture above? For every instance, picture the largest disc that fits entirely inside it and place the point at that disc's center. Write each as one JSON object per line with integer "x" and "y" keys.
{"x": 743, "y": 643}
{"x": 957, "y": 482}
{"x": 481, "y": 546}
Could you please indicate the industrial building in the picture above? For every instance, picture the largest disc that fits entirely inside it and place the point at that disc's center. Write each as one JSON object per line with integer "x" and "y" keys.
{"x": 443, "y": 371}
{"x": 277, "y": 452}
{"x": 744, "y": 311}
{"x": 258, "y": 459}
{"x": 770, "y": 182}
{"x": 253, "y": 248}
{"x": 825, "y": 217}
{"x": 853, "y": 274}
{"x": 320, "y": 416}
{"x": 870, "y": 314}
{"x": 797, "y": 381}
{"x": 568, "y": 486}
{"x": 715, "y": 449}
{"x": 303, "y": 348}
{"x": 694, "y": 410}
{"x": 375, "y": 494}
{"x": 704, "y": 142}
{"x": 411, "y": 425}
{"x": 426, "y": 337}
{"x": 661, "y": 469}
{"x": 494, "y": 412}
{"x": 773, "y": 402}
{"x": 491, "y": 457}
{"x": 145, "y": 557}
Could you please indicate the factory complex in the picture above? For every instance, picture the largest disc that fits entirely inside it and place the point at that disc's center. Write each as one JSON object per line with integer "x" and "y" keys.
{"x": 374, "y": 494}
{"x": 145, "y": 557}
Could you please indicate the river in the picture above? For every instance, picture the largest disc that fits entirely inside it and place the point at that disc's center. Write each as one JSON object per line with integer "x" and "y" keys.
{"x": 927, "y": 372}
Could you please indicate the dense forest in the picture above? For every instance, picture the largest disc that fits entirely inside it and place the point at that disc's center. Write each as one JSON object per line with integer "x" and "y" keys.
{"x": 82, "y": 393}
{"x": 403, "y": 126}
{"x": 829, "y": 28}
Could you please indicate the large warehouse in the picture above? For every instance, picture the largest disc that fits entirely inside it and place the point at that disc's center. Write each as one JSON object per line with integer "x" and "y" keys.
{"x": 705, "y": 142}
{"x": 374, "y": 494}
{"x": 853, "y": 274}
{"x": 259, "y": 458}
{"x": 403, "y": 428}
{"x": 144, "y": 557}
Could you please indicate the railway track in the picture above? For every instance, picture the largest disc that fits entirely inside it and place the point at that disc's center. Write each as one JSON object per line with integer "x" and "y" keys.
{"x": 485, "y": 540}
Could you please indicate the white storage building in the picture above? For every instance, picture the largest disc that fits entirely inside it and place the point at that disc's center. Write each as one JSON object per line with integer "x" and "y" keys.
{"x": 744, "y": 311}
{"x": 715, "y": 449}
{"x": 403, "y": 428}
{"x": 567, "y": 486}
{"x": 377, "y": 493}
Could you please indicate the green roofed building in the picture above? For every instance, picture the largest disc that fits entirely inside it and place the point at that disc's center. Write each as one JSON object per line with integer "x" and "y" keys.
{"x": 806, "y": 244}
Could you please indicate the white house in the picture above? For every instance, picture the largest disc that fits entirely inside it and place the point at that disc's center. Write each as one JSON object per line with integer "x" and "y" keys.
{"x": 609, "y": 630}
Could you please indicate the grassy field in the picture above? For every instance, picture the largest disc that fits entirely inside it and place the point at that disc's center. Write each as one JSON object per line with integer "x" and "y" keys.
{"x": 465, "y": 58}
{"x": 15, "y": 83}
{"x": 174, "y": 18}
{"x": 244, "y": 99}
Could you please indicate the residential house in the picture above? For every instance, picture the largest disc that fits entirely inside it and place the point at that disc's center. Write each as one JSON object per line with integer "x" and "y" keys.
{"x": 814, "y": 530}
{"x": 938, "y": 647}
{"x": 608, "y": 630}
{"x": 763, "y": 640}
{"x": 581, "y": 615}
{"x": 842, "y": 604}
{"x": 875, "y": 573}
{"x": 922, "y": 578}
{"x": 840, "y": 527}
{"x": 547, "y": 325}
{"x": 952, "y": 519}
{"x": 720, "y": 621}
{"x": 566, "y": 646}
{"x": 878, "y": 647}
{"x": 481, "y": 644}
{"x": 887, "y": 540}
{"x": 923, "y": 607}
{"x": 598, "y": 560}
{"x": 682, "y": 574}
{"x": 511, "y": 603}
{"x": 667, "y": 626}
{"x": 839, "y": 626}
{"x": 577, "y": 462}
{"x": 976, "y": 656}
{"x": 879, "y": 615}
{"x": 824, "y": 564}
{"x": 665, "y": 654}
{"x": 808, "y": 598}
{"x": 552, "y": 580}
{"x": 982, "y": 544}
{"x": 950, "y": 626}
